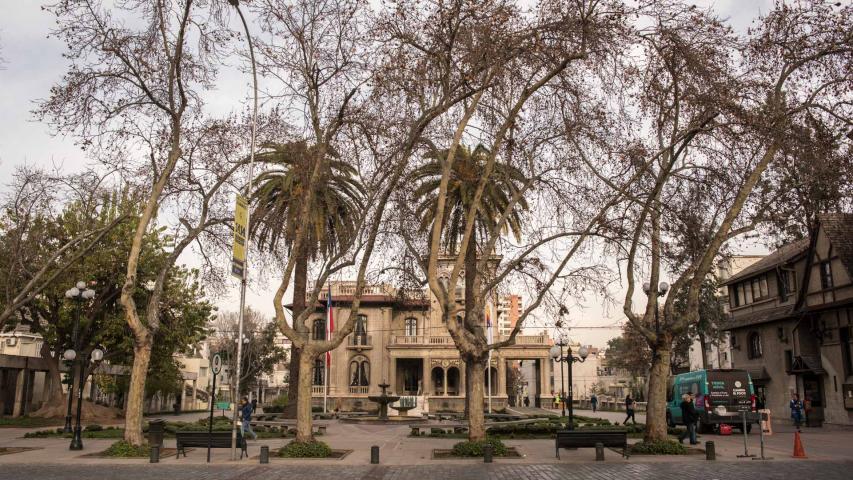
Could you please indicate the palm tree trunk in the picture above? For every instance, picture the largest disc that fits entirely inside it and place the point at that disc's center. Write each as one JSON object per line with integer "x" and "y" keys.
{"x": 300, "y": 291}
{"x": 303, "y": 405}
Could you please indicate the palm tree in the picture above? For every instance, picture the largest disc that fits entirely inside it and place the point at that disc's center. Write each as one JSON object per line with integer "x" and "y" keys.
{"x": 337, "y": 200}
{"x": 468, "y": 167}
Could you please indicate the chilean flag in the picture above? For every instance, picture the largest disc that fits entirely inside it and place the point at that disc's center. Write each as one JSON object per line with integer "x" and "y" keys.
{"x": 330, "y": 325}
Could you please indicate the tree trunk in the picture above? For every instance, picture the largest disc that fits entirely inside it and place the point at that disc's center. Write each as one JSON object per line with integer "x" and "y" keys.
{"x": 704, "y": 355}
{"x": 136, "y": 394}
{"x": 470, "y": 292}
{"x": 300, "y": 291}
{"x": 476, "y": 419}
{"x": 303, "y": 405}
{"x": 656, "y": 407}
{"x": 54, "y": 376}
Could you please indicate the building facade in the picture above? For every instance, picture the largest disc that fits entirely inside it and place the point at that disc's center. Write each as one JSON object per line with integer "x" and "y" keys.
{"x": 707, "y": 354}
{"x": 400, "y": 339}
{"x": 509, "y": 310}
{"x": 791, "y": 323}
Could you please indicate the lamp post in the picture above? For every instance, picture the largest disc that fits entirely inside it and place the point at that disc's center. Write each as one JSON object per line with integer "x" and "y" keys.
{"x": 243, "y": 274}
{"x": 78, "y": 294}
{"x": 662, "y": 290}
{"x": 561, "y": 357}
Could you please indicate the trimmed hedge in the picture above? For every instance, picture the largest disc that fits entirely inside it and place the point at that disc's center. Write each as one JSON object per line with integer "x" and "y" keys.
{"x": 665, "y": 447}
{"x": 475, "y": 449}
{"x": 315, "y": 449}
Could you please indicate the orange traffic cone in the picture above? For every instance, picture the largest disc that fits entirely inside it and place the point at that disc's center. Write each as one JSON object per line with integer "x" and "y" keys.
{"x": 799, "y": 451}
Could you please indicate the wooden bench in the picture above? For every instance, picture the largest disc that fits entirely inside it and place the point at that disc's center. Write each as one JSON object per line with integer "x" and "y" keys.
{"x": 589, "y": 438}
{"x": 219, "y": 439}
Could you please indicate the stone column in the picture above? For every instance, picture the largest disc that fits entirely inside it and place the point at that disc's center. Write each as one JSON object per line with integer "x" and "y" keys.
{"x": 20, "y": 381}
{"x": 501, "y": 376}
{"x": 445, "y": 380}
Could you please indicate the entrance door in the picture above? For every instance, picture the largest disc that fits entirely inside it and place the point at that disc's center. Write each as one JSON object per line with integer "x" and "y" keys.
{"x": 813, "y": 393}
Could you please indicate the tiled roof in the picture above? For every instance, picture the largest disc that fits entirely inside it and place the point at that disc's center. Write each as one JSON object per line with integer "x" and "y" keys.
{"x": 839, "y": 228}
{"x": 760, "y": 316}
{"x": 779, "y": 256}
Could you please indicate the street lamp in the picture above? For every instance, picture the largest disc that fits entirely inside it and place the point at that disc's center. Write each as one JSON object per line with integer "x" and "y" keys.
{"x": 568, "y": 357}
{"x": 663, "y": 288}
{"x": 78, "y": 293}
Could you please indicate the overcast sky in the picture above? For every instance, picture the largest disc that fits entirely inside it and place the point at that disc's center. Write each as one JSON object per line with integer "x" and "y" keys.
{"x": 32, "y": 63}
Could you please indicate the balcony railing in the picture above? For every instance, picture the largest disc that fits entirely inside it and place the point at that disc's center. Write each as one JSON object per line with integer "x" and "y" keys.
{"x": 359, "y": 341}
{"x": 358, "y": 390}
{"x": 421, "y": 340}
{"x": 318, "y": 390}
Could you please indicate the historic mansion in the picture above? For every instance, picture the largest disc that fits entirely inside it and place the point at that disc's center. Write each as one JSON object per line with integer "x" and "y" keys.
{"x": 401, "y": 340}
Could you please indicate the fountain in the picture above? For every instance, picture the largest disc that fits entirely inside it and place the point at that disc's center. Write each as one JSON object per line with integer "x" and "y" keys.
{"x": 383, "y": 401}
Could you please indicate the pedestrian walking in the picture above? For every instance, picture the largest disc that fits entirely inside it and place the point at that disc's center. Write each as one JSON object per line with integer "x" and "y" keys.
{"x": 246, "y": 418}
{"x": 688, "y": 418}
{"x": 629, "y": 409}
{"x": 254, "y": 404}
{"x": 526, "y": 401}
{"x": 796, "y": 407}
{"x": 557, "y": 400}
{"x": 594, "y": 402}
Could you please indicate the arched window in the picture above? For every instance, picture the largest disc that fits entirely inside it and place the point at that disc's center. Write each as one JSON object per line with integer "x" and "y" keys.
{"x": 318, "y": 332}
{"x": 359, "y": 372}
{"x": 411, "y": 327}
{"x": 754, "y": 345}
{"x": 319, "y": 377}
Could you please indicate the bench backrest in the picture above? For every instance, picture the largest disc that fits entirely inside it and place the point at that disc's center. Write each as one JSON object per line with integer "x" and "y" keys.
{"x": 589, "y": 439}
{"x": 218, "y": 439}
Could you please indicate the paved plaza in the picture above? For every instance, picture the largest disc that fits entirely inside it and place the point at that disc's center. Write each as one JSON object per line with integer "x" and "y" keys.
{"x": 404, "y": 457}
{"x": 473, "y": 471}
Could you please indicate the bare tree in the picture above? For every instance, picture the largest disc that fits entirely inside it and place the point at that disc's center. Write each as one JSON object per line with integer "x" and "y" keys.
{"x": 132, "y": 89}
{"x": 703, "y": 193}
{"x": 546, "y": 56}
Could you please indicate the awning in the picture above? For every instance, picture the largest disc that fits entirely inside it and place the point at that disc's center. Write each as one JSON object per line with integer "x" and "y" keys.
{"x": 807, "y": 364}
{"x": 758, "y": 374}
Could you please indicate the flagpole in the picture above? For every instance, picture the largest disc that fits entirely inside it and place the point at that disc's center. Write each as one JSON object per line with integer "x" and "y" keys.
{"x": 489, "y": 367}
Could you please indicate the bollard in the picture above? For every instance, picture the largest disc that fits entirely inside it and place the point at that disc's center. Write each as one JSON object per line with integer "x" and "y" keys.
{"x": 265, "y": 454}
{"x": 374, "y": 454}
{"x": 710, "y": 453}
{"x": 487, "y": 453}
{"x": 599, "y": 452}
{"x": 155, "y": 455}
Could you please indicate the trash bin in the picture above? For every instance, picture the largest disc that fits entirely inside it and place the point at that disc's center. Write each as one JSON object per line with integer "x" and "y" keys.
{"x": 156, "y": 428}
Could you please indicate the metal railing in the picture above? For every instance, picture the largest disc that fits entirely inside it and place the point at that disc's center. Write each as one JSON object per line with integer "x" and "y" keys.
{"x": 359, "y": 341}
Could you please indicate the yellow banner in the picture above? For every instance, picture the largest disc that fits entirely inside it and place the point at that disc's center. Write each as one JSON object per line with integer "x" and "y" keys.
{"x": 241, "y": 220}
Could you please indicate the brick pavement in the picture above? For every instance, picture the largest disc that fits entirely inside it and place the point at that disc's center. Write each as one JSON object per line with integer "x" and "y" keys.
{"x": 771, "y": 470}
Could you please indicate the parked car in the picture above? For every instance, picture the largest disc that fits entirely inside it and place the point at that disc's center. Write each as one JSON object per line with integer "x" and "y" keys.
{"x": 720, "y": 395}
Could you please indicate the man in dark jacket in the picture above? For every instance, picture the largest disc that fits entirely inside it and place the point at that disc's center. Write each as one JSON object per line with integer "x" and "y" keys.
{"x": 688, "y": 418}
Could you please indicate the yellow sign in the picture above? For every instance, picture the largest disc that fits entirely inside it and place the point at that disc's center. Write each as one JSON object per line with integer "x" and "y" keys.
{"x": 241, "y": 221}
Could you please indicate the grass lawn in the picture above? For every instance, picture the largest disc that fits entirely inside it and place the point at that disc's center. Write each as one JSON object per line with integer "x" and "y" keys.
{"x": 28, "y": 422}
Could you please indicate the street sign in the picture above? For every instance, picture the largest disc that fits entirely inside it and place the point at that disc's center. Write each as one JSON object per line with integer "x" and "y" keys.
{"x": 241, "y": 220}
{"x": 217, "y": 364}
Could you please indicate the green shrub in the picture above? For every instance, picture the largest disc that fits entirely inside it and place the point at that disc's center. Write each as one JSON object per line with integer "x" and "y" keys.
{"x": 94, "y": 428}
{"x": 43, "y": 433}
{"x": 475, "y": 449}
{"x": 124, "y": 449}
{"x": 313, "y": 449}
{"x": 665, "y": 447}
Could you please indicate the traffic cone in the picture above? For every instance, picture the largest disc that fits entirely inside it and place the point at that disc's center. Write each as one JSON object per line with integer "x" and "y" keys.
{"x": 799, "y": 451}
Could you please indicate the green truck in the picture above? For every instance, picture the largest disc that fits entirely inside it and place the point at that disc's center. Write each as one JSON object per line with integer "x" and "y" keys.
{"x": 720, "y": 396}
